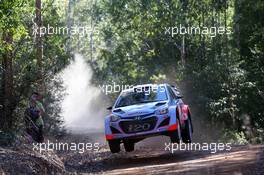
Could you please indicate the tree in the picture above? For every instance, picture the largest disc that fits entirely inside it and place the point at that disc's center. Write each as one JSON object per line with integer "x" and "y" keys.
{"x": 7, "y": 84}
{"x": 39, "y": 47}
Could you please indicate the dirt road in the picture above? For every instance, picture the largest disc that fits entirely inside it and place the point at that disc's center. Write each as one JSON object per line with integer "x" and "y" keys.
{"x": 153, "y": 159}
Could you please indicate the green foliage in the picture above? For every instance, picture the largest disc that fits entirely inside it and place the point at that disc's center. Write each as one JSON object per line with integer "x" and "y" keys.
{"x": 127, "y": 44}
{"x": 224, "y": 74}
{"x": 17, "y": 18}
{"x": 236, "y": 138}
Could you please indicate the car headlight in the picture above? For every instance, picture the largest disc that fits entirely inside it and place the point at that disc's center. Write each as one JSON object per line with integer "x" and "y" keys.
{"x": 114, "y": 118}
{"x": 163, "y": 111}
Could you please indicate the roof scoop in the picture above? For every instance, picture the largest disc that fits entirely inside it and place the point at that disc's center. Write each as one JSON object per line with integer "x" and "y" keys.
{"x": 160, "y": 103}
{"x": 118, "y": 111}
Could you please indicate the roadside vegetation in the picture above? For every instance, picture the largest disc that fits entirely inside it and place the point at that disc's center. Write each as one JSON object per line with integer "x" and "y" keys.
{"x": 222, "y": 75}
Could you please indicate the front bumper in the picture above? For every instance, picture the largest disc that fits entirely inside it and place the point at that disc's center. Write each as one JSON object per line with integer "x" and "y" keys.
{"x": 163, "y": 124}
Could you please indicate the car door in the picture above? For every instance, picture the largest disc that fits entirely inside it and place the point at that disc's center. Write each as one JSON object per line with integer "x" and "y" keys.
{"x": 176, "y": 97}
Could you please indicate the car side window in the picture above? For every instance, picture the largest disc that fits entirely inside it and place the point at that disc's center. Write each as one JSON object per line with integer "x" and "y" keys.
{"x": 172, "y": 94}
{"x": 176, "y": 92}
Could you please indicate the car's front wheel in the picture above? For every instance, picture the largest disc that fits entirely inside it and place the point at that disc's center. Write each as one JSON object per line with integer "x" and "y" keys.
{"x": 129, "y": 145}
{"x": 114, "y": 146}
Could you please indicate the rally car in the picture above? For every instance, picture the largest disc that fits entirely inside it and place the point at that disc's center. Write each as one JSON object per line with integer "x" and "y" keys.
{"x": 147, "y": 110}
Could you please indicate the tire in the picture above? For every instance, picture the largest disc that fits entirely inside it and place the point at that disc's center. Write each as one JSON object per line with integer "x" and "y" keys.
{"x": 187, "y": 132}
{"x": 129, "y": 146}
{"x": 114, "y": 146}
{"x": 175, "y": 136}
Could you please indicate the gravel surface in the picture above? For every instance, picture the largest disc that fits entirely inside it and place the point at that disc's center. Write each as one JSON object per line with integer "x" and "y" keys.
{"x": 153, "y": 159}
{"x": 24, "y": 161}
{"x": 149, "y": 157}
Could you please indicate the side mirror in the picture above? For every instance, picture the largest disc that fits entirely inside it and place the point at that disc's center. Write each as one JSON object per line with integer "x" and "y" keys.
{"x": 109, "y": 108}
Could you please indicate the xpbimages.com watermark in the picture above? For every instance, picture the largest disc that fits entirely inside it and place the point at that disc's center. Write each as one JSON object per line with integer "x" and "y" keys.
{"x": 61, "y": 146}
{"x": 212, "y": 147}
{"x": 116, "y": 88}
{"x": 62, "y": 30}
{"x": 197, "y": 30}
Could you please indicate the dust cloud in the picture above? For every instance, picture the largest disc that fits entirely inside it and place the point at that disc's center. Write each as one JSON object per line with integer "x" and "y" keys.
{"x": 83, "y": 107}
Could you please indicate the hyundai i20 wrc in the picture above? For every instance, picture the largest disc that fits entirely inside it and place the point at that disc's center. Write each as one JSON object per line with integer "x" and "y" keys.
{"x": 147, "y": 110}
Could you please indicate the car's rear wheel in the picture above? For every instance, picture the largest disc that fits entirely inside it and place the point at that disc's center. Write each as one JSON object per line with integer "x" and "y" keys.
{"x": 175, "y": 136}
{"x": 187, "y": 131}
{"x": 114, "y": 146}
{"x": 129, "y": 145}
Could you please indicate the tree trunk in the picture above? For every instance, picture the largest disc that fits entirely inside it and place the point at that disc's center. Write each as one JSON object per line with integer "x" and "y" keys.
{"x": 39, "y": 48}
{"x": 70, "y": 22}
{"x": 183, "y": 53}
{"x": 7, "y": 98}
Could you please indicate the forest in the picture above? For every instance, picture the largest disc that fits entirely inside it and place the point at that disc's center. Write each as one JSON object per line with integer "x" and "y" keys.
{"x": 212, "y": 49}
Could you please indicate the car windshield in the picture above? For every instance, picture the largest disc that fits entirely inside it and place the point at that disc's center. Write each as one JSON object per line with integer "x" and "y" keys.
{"x": 142, "y": 95}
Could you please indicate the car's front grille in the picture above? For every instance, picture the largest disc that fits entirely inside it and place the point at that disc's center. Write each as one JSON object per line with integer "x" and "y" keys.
{"x": 142, "y": 116}
{"x": 139, "y": 125}
{"x": 114, "y": 130}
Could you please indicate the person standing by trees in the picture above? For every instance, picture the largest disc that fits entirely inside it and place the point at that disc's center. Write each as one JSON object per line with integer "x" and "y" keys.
{"x": 33, "y": 117}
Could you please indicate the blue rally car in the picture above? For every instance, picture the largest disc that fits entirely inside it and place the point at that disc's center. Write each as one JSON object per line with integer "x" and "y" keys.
{"x": 147, "y": 110}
